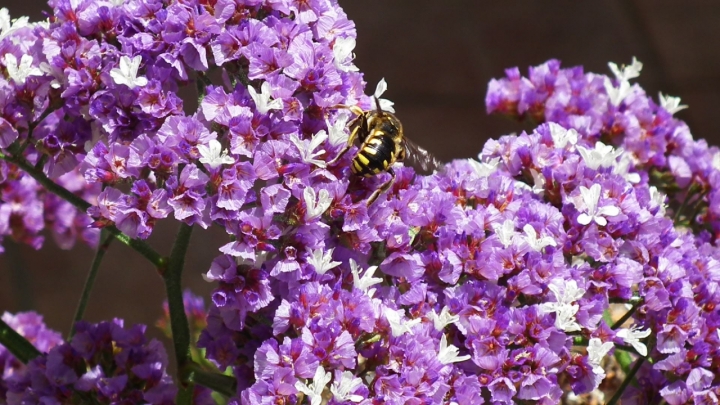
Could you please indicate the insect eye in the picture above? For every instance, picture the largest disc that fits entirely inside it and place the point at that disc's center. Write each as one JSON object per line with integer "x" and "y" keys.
{"x": 389, "y": 128}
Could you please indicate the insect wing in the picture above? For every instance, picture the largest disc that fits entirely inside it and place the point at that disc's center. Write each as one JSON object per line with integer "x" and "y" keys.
{"x": 420, "y": 159}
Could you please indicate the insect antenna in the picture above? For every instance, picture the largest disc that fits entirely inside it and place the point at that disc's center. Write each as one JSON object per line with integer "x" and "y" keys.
{"x": 377, "y": 103}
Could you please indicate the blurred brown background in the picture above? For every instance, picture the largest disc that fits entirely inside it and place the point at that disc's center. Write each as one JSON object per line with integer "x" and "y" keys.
{"x": 437, "y": 58}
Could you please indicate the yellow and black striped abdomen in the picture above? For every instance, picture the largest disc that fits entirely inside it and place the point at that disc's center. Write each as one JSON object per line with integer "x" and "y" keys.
{"x": 376, "y": 154}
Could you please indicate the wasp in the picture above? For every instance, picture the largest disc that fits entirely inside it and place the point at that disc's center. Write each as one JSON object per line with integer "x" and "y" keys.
{"x": 382, "y": 143}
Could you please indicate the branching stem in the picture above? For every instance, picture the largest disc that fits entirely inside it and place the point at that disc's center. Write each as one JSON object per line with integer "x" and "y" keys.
{"x": 105, "y": 239}
{"x": 140, "y": 246}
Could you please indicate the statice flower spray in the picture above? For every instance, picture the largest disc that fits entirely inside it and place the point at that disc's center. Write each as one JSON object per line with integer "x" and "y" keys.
{"x": 586, "y": 244}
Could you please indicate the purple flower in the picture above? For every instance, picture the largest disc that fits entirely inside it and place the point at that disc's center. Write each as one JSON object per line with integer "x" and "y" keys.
{"x": 467, "y": 286}
{"x": 30, "y": 326}
{"x": 104, "y": 360}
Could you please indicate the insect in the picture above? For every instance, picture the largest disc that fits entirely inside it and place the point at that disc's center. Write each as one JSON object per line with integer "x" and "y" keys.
{"x": 382, "y": 144}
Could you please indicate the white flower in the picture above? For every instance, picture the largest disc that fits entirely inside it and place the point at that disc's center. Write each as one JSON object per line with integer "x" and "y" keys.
{"x": 617, "y": 95}
{"x": 627, "y": 72}
{"x": 444, "y": 319}
{"x": 597, "y": 350}
{"x": 262, "y": 100}
{"x": 385, "y": 104}
{"x": 671, "y": 104}
{"x": 601, "y": 156}
{"x": 591, "y": 198}
{"x": 538, "y": 182}
{"x": 505, "y": 232}
{"x": 658, "y": 198}
{"x": 343, "y": 56}
{"x": 632, "y": 337}
{"x": 534, "y": 241}
{"x": 561, "y": 136}
{"x": 398, "y": 325}
{"x": 316, "y": 203}
{"x": 622, "y": 168}
{"x": 566, "y": 292}
{"x": 321, "y": 260}
{"x": 337, "y": 132}
{"x": 5, "y": 27}
{"x": 484, "y": 169}
{"x": 127, "y": 73}
{"x": 565, "y": 318}
{"x": 367, "y": 280}
{"x": 213, "y": 155}
{"x": 307, "y": 148}
{"x": 20, "y": 72}
{"x": 55, "y": 73}
{"x": 449, "y": 353}
{"x": 623, "y": 75}
{"x": 314, "y": 391}
{"x": 341, "y": 389}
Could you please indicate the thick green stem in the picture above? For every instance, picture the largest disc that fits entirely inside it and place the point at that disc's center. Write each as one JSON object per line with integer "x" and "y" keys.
{"x": 20, "y": 347}
{"x": 105, "y": 239}
{"x": 185, "y": 394}
{"x": 173, "y": 286}
{"x": 141, "y": 247}
{"x": 615, "y": 398}
{"x": 217, "y": 382}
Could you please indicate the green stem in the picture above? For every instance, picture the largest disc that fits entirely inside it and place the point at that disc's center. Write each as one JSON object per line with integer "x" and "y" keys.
{"x": 41, "y": 162}
{"x": 625, "y": 317}
{"x": 185, "y": 394}
{"x": 615, "y": 398}
{"x": 20, "y": 347}
{"x": 141, "y": 247}
{"x": 105, "y": 239}
{"x": 50, "y": 185}
{"x": 173, "y": 286}
{"x": 690, "y": 194}
{"x": 243, "y": 75}
{"x": 217, "y": 382}
{"x": 635, "y": 300}
{"x": 201, "y": 84}
{"x": 628, "y": 349}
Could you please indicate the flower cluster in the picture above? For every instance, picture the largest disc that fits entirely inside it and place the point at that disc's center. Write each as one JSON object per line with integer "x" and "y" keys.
{"x": 31, "y": 326}
{"x": 104, "y": 363}
{"x": 659, "y": 149}
{"x": 486, "y": 282}
{"x": 673, "y": 267}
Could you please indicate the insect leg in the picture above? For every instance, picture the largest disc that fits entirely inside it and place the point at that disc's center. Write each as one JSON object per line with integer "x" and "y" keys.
{"x": 351, "y": 140}
{"x": 353, "y": 108}
{"x": 382, "y": 188}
